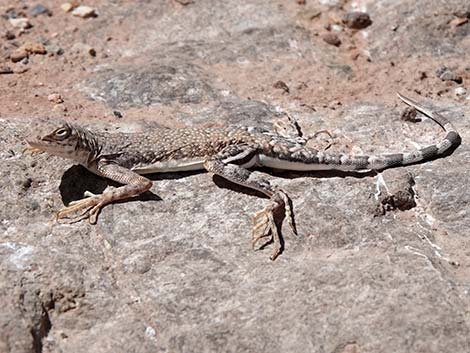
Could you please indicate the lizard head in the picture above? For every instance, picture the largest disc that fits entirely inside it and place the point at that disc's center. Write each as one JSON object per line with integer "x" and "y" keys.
{"x": 64, "y": 140}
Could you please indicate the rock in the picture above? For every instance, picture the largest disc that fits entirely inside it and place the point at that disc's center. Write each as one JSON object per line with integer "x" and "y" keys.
{"x": 357, "y": 20}
{"x": 117, "y": 114}
{"x": 332, "y": 39}
{"x": 54, "y": 49}
{"x": 55, "y": 98}
{"x": 10, "y": 13}
{"x": 18, "y": 54}
{"x": 21, "y": 23}
{"x": 409, "y": 114}
{"x": 34, "y": 48}
{"x": 84, "y": 48}
{"x": 396, "y": 193}
{"x": 309, "y": 14}
{"x": 460, "y": 91}
{"x": 184, "y": 2}
{"x": 67, "y": 7}
{"x": 446, "y": 74}
{"x": 331, "y": 3}
{"x": 40, "y": 10}
{"x": 22, "y": 69}
{"x": 282, "y": 85}
{"x": 84, "y": 12}
{"x": 9, "y": 35}
{"x": 26, "y": 49}
{"x": 5, "y": 70}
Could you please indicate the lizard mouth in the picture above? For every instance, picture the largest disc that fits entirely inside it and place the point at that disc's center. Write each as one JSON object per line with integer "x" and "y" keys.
{"x": 34, "y": 150}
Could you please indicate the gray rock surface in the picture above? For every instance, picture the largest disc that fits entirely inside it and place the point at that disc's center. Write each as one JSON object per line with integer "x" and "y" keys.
{"x": 173, "y": 270}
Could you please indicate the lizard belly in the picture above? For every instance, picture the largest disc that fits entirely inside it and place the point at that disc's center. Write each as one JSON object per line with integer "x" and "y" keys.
{"x": 277, "y": 163}
{"x": 171, "y": 166}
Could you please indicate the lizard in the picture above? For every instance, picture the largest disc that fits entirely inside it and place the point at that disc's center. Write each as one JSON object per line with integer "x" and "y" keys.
{"x": 229, "y": 152}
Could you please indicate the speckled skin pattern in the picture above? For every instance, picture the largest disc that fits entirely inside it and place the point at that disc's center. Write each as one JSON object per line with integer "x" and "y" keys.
{"x": 228, "y": 152}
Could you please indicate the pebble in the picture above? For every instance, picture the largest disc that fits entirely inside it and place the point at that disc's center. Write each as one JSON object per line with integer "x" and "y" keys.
{"x": 10, "y": 13}
{"x": 460, "y": 91}
{"x": 5, "y": 70}
{"x": 84, "y": 12}
{"x": 357, "y": 20}
{"x": 18, "y": 55}
{"x": 54, "y": 49}
{"x": 282, "y": 85}
{"x": 84, "y": 48}
{"x": 40, "y": 10}
{"x": 22, "y": 23}
{"x": 34, "y": 48}
{"x": 67, "y": 7}
{"x": 446, "y": 74}
{"x": 26, "y": 49}
{"x": 332, "y": 39}
{"x": 55, "y": 98}
{"x": 9, "y": 35}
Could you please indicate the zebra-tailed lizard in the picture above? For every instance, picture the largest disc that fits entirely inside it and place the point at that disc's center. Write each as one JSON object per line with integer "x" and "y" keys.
{"x": 227, "y": 152}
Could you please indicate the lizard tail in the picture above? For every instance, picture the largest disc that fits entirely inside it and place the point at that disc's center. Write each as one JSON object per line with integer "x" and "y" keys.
{"x": 383, "y": 161}
{"x": 447, "y": 144}
{"x": 307, "y": 159}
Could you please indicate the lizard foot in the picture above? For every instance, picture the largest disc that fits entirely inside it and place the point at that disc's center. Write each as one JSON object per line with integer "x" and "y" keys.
{"x": 264, "y": 223}
{"x": 91, "y": 206}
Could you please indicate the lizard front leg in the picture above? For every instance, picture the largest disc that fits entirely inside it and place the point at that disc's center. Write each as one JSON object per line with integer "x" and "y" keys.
{"x": 134, "y": 185}
{"x": 264, "y": 222}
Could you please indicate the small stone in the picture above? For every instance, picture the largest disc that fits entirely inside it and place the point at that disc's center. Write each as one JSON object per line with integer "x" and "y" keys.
{"x": 311, "y": 14}
{"x": 117, "y": 114}
{"x": 409, "y": 114}
{"x": 84, "y": 12}
{"x": 282, "y": 85}
{"x": 34, "y": 48}
{"x": 460, "y": 91}
{"x": 67, "y": 7}
{"x": 54, "y": 49}
{"x": 55, "y": 98}
{"x": 357, "y": 20}
{"x": 332, "y": 39}
{"x": 301, "y": 2}
{"x": 330, "y": 3}
{"x": 22, "y": 23}
{"x": 40, "y": 10}
{"x": 26, "y": 49}
{"x": 18, "y": 54}
{"x": 184, "y": 2}
{"x": 21, "y": 70}
{"x": 4, "y": 70}
{"x": 10, "y": 13}
{"x": 9, "y": 35}
{"x": 84, "y": 48}
{"x": 446, "y": 74}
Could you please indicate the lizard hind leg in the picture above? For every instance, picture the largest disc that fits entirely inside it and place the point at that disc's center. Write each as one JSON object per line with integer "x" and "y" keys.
{"x": 268, "y": 221}
{"x": 265, "y": 225}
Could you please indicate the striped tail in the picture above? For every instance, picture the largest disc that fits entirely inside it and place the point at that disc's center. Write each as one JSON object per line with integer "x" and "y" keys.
{"x": 451, "y": 141}
{"x": 307, "y": 159}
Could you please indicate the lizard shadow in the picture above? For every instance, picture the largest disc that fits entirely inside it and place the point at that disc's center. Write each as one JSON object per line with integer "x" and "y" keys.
{"x": 77, "y": 179}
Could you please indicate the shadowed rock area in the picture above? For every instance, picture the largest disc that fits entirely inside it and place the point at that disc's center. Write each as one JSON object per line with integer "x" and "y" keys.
{"x": 381, "y": 262}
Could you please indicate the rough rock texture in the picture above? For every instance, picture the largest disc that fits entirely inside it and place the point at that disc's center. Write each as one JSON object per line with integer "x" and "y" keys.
{"x": 173, "y": 270}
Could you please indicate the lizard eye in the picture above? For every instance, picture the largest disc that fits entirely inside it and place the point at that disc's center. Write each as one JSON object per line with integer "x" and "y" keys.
{"x": 62, "y": 133}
